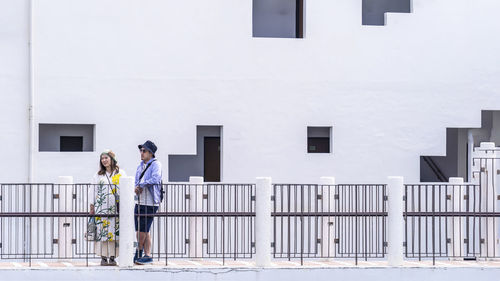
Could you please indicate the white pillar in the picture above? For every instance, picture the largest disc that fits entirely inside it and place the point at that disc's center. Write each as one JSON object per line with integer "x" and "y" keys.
{"x": 127, "y": 231}
{"x": 395, "y": 221}
{"x": 196, "y": 223}
{"x": 65, "y": 184}
{"x": 456, "y": 224}
{"x": 327, "y": 188}
{"x": 485, "y": 161}
{"x": 263, "y": 222}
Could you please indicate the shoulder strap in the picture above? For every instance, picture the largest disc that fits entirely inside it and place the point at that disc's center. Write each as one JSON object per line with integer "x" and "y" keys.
{"x": 106, "y": 174}
{"x": 110, "y": 184}
{"x": 143, "y": 172}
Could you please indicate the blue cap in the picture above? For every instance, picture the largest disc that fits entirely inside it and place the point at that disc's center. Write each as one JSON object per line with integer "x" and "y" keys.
{"x": 149, "y": 145}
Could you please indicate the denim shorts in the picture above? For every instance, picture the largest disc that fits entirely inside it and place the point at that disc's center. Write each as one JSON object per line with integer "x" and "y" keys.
{"x": 143, "y": 223}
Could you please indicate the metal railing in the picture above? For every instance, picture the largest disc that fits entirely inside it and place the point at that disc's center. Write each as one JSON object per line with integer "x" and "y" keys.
{"x": 455, "y": 220}
{"x": 329, "y": 221}
{"x": 444, "y": 220}
{"x": 205, "y": 221}
{"x": 49, "y": 221}
{"x": 309, "y": 221}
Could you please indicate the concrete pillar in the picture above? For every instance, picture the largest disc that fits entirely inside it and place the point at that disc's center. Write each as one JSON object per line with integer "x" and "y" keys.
{"x": 485, "y": 164}
{"x": 395, "y": 221}
{"x": 127, "y": 231}
{"x": 196, "y": 223}
{"x": 65, "y": 226}
{"x": 456, "y": 224}
{"x": 263, "y": 222}
{"x": 328, "y": 204}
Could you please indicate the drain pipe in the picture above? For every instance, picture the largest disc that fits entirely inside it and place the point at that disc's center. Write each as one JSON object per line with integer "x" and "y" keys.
{"x": 31, "y": 108}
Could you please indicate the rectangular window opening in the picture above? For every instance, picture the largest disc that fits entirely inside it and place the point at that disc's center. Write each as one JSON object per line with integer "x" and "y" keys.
{"x": 319, "y": 139}
{"x": 278, "y": 18}
{"x": 66, "y": 137}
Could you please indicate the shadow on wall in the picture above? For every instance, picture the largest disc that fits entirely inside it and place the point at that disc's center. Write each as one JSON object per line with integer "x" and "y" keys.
{"x": 207, "y": 161}
{"x": 374, "y": 10}
{"x": 459, "y": 145}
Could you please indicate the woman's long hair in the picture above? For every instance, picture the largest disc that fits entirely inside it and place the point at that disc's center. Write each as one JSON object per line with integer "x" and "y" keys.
{"x": 114, "y": 164}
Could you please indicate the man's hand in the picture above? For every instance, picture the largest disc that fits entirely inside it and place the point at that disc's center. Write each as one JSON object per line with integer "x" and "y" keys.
{"x": 138, "y": 190}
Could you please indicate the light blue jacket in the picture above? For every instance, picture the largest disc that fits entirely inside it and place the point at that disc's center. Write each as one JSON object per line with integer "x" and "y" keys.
{"x": 152, "y": 178}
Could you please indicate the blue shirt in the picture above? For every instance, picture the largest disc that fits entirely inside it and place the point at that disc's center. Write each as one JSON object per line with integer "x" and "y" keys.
{"x": 151, "y": 180}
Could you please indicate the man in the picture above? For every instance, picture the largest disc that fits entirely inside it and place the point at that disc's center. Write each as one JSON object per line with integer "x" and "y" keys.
{"x": 148, "y": 180}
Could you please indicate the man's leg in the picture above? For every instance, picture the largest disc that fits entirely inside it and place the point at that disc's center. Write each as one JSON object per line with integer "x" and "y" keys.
{"x": 147, "y": 244}
{"x": 142, "y": 240}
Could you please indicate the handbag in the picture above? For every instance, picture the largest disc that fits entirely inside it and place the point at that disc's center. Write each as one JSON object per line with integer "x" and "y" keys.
{"x": 91, "y": 233}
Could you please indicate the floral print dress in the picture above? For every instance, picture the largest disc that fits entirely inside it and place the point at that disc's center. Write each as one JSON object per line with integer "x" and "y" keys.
{"x": 106, "y": 196}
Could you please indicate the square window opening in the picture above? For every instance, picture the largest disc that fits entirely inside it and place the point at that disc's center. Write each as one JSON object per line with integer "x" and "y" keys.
{"x": 319, "y": 139}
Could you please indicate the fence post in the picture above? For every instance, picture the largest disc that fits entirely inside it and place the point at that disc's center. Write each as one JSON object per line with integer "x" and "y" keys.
{"x": 196, "y": 223}
{"x": 65, "y": 239}
{"x": 328, "y": 201}
{"x": 454, "y": 224}
{"x": 127, "y": 232}
{"x": 263, "y": 222}
{"x": 485, "y": 165}
{"x": 395, "y": 221}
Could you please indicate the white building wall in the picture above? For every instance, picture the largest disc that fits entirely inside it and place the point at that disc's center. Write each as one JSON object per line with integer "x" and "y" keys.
{"x": 156, "y": 69}
{"x": 14, "y": 90}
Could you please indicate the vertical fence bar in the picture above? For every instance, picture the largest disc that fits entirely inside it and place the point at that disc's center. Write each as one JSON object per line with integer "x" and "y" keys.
{"x": 395, "y": 221}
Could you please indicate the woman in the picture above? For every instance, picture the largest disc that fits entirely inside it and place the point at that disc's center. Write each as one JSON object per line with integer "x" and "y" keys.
{"x": 106, "y": 199}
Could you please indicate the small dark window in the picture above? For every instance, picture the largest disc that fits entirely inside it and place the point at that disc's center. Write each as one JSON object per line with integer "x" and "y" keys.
{"x": 318, "y": 145}
{"x": 319, "y": 139}
{"x": 71, "y": 143}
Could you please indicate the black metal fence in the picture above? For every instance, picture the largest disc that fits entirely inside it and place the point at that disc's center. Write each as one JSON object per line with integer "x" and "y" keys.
{"x": 310, "y": 221}
{"x": 446, "y": 220}
{"x": 49, "y": 221}
{"x": 205, "y": 221}
{"x": 441, "y": 220}
{"x": 329, "y": 221}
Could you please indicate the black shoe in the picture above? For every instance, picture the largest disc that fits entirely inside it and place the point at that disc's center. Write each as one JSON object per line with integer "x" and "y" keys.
{"x": 104, "y": 261}
{"x": 112, "y": 261}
